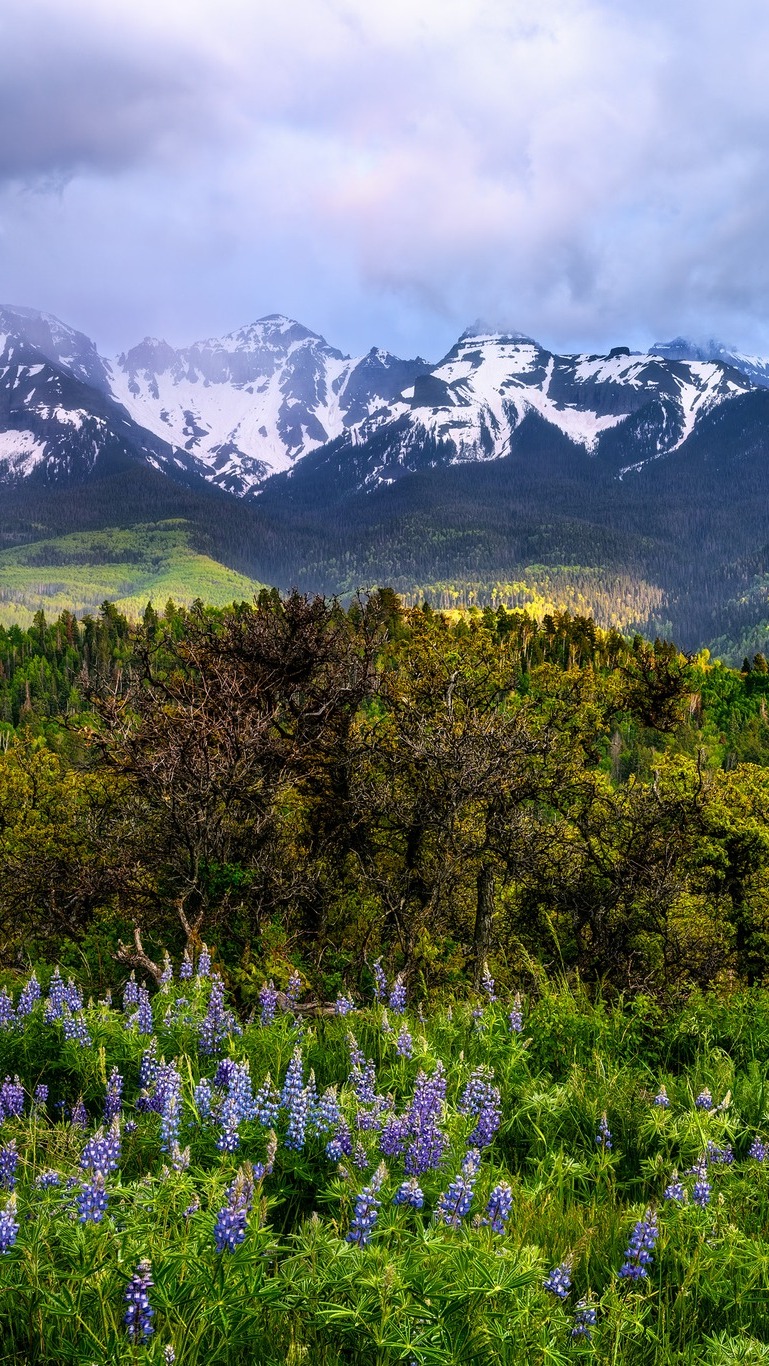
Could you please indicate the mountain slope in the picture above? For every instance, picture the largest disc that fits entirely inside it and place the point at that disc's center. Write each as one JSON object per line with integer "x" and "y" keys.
{"x": 755, "y": 368}
{"x": 622, "y": 409}
{"x": 253, "y": 402}
{"x": 56, "y": 428}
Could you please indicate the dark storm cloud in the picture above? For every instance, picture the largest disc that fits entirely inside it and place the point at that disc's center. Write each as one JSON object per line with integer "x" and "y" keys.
{"x": 596, "y": 172}
{"x": 83, "y": 88}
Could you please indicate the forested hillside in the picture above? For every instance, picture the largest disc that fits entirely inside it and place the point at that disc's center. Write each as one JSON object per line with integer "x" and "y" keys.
{"x": 308, "y": 784}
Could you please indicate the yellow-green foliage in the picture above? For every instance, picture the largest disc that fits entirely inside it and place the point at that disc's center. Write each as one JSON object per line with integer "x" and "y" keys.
{"x": 130, "y": 566}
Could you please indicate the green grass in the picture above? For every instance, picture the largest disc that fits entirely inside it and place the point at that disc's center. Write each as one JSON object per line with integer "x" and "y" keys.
{"x": 425, "y": 1291}
{"x": 153, "y": 561}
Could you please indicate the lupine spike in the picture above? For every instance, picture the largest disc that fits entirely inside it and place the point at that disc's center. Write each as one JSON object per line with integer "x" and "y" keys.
{"x": 640, "y": 1249}
{"x": 367, "y": 1209}
{"x": 9, "y": 1227}
{"x": 138, "y": 1315}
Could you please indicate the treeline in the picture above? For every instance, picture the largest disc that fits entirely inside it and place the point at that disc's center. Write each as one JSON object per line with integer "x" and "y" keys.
{"x": 307, "y": 784}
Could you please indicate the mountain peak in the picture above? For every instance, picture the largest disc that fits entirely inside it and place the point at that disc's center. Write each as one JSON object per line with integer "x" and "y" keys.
{"x": 480, "y": 328}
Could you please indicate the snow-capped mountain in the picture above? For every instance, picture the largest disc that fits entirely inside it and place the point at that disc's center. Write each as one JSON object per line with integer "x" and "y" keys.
{"x": 55, "y": 427}
{"x": 61, "y": 345}
{"x": 236, "y": 410}
{"x": 250, "y": 404}
{"x": 756, "y": 368}
{"x": 622, "y": 407}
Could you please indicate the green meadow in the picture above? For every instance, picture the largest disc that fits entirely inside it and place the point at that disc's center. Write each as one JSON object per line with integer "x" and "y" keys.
{"x": 153, "y": 561}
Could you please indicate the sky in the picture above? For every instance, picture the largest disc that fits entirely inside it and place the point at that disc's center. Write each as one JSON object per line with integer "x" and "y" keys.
{"x": 588, "y": 172}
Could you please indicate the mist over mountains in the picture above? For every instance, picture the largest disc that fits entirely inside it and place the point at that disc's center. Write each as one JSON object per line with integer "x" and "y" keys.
{"x": 634, "y": 486}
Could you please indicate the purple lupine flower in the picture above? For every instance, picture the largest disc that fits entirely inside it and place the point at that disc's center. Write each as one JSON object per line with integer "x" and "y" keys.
{"x": 584, "y": 1319}
{"x": 7, "y": 1012}
{"x": 166, "y": 1100}
{"x": 758, "y": 1150}
{"x": 360, "y": 1157}
{"x": 340, "y": 1143}
{"x": 325, "y": 1113}
{"x": 367, "y": 1209}
{"x": 224, "y": 1071}
{"x": 482, "y": 1101}
{"x": 138, "y": 1315}
{"x": 218, "y": 1023}
{"x": 167, "y": 975}
{"x": 142, "y": 1016}
{"x": 204, "y": 962}
{"x": 130, "y": 993}
{"x": 455, "y": 1202}
{"x": 73, "y": 997}
{"x": 294, "y": 1080}
{"x": 54, "y": 1008}
{"x": 293, "y": 990}
{"x": 192, "y": 1208}
{"x": 170, "y": 1122}
{"x": 11, "y": 1099}
{"x": 722, "y": 1157}
{"x": 267, "y": 1104}
{"x": 488, "y": 984}
{"x": 75, "y": 1028}
{"x": 229, "y": 1138}
{"x": 364, "y": 1083}
{"x": 47, "y": 1178}
{"x": 92, "y": 1200}
{"x": 404, "y": 1046}
{"x": 603, "y": 1137}
{"x": 640, "y": 1249}
{"x": 79, "y": 1115}
{"x": 9, "y": 1159}
{"x": 516, "y": 1016}
{"x": 662, "y": 1099}
{"x": 498, "y": 1208}
{"x": 268, "y": 1000}
{"x": 357, "y": 1056}
{"x": 394, "y": 1135}
{"x": 428, "y": 1142}
{"x": 169, "y": 1355}
{"x": 262, "y": 1169}
{"x": 113, "y": 1099}
{"x": 102, "y": 1152}
{"x": 241, "y": 1094}
{"x": 675, "y": 1190}
{"x": 558, "y": 1281}
{"x": 185, "y": 967}
{"x": 397, "y": 999}
{"x": 29, "y": 997}
{"x": 409, "y": 1193}
{"x": 9, "y": 1228}
{"x": 701, "y": 1192}
{"x": 344, "y": 1005}
{"x": 298, "y": 1114}
{"x": 148, "y": 1067}
{"x": 230, "y": 1226}
{"x": 40, "y": 1095}
{"x": 704, "y": 1100}
{"x": 380, "y": 981}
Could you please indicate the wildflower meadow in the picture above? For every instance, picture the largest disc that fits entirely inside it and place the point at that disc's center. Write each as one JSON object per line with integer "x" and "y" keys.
{"x": 496, "y": 1181}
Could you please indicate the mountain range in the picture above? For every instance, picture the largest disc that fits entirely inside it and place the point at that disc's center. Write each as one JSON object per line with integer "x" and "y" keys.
{"x": 633, "y": 485}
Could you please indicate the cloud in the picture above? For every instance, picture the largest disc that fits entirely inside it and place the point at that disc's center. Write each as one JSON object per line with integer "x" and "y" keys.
{"x": 595, "y": 173}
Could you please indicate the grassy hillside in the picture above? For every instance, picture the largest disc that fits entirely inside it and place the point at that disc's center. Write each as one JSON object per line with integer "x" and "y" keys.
{"x": 153, "y": 561}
